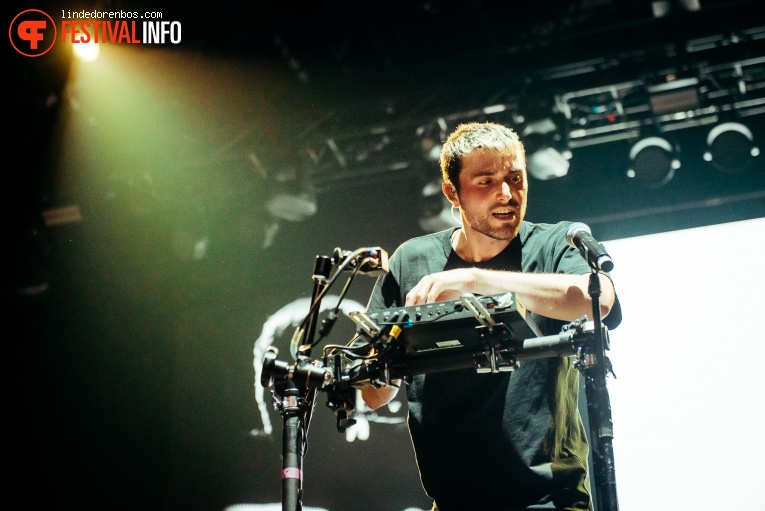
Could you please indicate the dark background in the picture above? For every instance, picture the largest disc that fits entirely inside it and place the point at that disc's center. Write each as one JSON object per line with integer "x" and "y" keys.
{"x": 129, "y": 367}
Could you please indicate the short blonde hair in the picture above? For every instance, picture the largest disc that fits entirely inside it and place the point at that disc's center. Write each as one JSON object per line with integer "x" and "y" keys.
{"x": 467, "y": 137}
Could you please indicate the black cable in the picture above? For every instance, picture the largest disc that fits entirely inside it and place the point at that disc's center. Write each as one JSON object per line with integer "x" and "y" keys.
{"x": 329, "y": 321}
{"x": 301, "y": 327}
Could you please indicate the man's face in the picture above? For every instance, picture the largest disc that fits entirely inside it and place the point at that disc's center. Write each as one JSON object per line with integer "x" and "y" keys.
{"x": 492, "y": 193}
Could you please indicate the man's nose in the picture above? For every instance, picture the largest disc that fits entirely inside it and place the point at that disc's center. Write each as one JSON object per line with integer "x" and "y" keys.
{"x": 505, "y": 190}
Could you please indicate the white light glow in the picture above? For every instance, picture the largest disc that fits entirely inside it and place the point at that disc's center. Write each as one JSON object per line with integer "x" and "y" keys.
{"x": 87, "y": 52}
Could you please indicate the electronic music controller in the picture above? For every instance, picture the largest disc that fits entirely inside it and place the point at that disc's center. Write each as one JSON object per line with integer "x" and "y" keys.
{"x": 457, "y": 324}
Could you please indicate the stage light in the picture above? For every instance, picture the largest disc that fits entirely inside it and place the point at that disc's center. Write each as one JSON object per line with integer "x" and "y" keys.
{"x": 662, "y": 8}
{"x": 546, "y": 154}
{"x": 292, "y": 207}
{"x": 547, "y": 163}
{"x": 435, "y": 210}
{"x": 431, "y": 149}
{"x": 87, "y": 52}
{"x": 654, "y": 161}
{"x": 431, "y": 137}
{"x": 730, "y": 147}
{"x": 290, "y": 190}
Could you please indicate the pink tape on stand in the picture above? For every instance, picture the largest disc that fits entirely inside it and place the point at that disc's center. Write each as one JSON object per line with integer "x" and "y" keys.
{"x": 292, "y": 473}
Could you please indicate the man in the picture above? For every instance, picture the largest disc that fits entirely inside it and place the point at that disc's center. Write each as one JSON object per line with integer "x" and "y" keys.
{"x": 506, "y": 441}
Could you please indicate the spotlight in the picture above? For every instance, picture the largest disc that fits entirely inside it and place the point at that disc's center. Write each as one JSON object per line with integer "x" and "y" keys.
{"x": 431, "y": 149}
{"x": 547, "y": 163}
{"x": 291, "y": 194}
{"x": 662, "y": 8}
{"x": 654, "y": 161}
{"x": 431, "y": 136}
{"x": 292, "y": 207}
{"x": 545, "y": 156}
{"x": 87, "y": 52}
{"x": 436, "y": 212}
{"x": 730, "y": 147}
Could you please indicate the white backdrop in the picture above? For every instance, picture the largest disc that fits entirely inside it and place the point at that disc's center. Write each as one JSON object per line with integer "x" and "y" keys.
{"x": 688, "y": 403}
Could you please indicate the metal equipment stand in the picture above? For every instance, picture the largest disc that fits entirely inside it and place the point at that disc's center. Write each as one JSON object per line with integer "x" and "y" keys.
{"x": 599, "y": 409}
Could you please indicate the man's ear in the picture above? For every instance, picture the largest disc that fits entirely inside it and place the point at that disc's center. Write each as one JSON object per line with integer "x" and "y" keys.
{"x": 451, "y": 194}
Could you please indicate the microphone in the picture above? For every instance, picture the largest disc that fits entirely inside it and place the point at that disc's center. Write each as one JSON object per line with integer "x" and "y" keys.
{"x": 579, "y": 236}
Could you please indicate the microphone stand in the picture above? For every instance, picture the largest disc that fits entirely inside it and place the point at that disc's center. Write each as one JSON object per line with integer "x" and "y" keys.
{"x": 599, "y": 409}
{"x": 297, "y": 402}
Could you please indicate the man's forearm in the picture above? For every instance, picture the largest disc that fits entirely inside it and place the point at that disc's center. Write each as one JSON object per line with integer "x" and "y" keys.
{"x": 554, "y": 295}
{"x": 557, "y": 296}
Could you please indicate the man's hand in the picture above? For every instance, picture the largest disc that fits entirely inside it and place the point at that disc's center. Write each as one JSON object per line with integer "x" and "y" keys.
{"x": 442, "y": 286}
{"x": 375, "y": 397}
